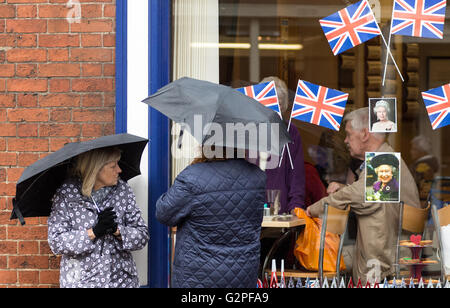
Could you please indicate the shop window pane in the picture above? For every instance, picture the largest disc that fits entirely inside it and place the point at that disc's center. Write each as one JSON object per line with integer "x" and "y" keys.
{"x": 240, "y": 42}
{"x": 283, "y": 38}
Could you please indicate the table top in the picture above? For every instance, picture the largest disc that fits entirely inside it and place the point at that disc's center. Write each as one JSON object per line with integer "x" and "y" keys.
{"x": 272, "y": 222}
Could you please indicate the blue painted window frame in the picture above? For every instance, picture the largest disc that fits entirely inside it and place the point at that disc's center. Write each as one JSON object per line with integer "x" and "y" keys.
{"x": 160, "y": 33}
{"x": 159, "y": 127}
{"x": 121, "y": 66}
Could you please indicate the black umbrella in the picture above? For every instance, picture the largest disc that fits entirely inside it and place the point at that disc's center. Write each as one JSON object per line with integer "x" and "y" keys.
{"x": 38, "y": 182}
{"x": 198, "y": 104}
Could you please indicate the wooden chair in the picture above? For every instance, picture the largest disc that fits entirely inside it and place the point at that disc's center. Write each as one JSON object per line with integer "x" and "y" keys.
{"x": 441, "y": 218}
{"x": 411, "y": 219}
{"x": 334, "y": 221}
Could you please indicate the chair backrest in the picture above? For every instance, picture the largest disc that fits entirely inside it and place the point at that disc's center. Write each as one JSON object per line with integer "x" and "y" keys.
{"x": 334, "y": 221}
{"x": 414, "y": 219}
{"x": 444, "y": 216}
{"x": 337, "y": 220}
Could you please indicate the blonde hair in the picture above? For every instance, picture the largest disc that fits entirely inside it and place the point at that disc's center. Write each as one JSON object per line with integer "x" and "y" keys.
{"x": 88, "y": 165}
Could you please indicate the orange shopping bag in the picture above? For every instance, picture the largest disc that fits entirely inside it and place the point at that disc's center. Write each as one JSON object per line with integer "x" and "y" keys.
{"x": 308, "y": 243}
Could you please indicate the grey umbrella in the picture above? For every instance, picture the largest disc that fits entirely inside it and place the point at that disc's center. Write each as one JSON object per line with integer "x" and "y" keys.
{"x": 220, "y": 115}
{"x": 39, "y": 181}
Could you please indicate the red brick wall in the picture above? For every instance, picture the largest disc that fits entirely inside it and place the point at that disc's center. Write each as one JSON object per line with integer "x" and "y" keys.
{"x": 56, "y": 86}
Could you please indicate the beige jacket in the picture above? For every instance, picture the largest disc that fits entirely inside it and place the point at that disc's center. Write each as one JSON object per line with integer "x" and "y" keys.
{"x": 377, "y": 223}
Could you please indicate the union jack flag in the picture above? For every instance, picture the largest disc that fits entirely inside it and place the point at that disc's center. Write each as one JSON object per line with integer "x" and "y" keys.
{"x": 350, "y": 27}
{"x": 422, "y": 18}
{"x": 437, "y": 102}
{"x": 319, "y": 105}
{"x": 265, "y": 93}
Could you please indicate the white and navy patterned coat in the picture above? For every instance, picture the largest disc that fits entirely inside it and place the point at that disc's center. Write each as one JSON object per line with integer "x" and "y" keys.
{"x": 105, "y": 261}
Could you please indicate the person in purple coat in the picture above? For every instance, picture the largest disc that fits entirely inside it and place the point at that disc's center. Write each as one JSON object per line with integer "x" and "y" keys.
{"x": 289, "y": 179}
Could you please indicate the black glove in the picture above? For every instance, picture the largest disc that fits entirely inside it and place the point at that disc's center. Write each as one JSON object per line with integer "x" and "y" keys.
{"x": 106, "y": 223}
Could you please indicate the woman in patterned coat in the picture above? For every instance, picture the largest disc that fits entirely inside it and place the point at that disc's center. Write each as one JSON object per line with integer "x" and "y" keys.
{"x": 95, "y": 224}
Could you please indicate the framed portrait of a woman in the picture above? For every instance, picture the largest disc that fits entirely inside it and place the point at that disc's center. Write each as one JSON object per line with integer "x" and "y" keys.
{"x": 383, "y": 115}
{"x": 382, "y": 177}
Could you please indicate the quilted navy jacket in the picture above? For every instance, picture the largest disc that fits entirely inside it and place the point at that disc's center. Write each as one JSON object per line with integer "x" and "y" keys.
{"x": 218, "y": 209}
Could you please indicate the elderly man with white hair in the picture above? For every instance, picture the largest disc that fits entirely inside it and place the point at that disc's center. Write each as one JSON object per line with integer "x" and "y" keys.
{"x": 377, "y": 222}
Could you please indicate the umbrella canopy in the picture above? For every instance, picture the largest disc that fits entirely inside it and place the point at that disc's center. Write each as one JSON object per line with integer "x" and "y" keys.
{"x": 39, "y": 182}
{"x": 220, "y": 115}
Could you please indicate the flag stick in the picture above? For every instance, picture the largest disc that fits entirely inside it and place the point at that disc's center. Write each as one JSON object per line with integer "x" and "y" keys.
{"x": 392, "y": 57}
{"x": 289, "y": 154}
{"x": 287, "y": 145}
{"x": 282, "y": 152}
{"x": 389, "y": 47}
